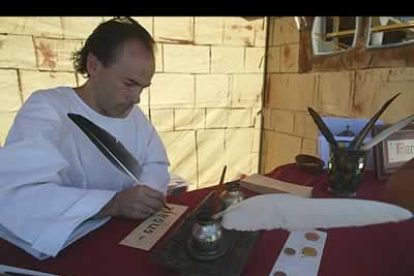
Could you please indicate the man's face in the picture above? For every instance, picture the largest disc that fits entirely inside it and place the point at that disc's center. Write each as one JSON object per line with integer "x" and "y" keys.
{"x": 118, "y": 87}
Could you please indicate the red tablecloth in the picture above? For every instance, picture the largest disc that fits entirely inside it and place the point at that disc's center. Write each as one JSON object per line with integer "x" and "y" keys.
{"x": 378, "y": 250}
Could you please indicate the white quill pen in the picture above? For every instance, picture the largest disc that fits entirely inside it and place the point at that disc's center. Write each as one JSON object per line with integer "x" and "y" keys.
{"x": 294, "y": 213}
{"x": 387, "y": 132}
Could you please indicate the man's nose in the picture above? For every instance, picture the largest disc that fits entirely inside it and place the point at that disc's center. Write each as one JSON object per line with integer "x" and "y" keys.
{"x": 135, "y": 95}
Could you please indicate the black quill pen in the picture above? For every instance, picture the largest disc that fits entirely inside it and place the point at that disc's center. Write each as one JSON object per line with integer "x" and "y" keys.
{"x": 323, "y": 127}
{"x": 109, "y": 146}
{"x": 357, "y": 142}
{"x": 116, "y": 153}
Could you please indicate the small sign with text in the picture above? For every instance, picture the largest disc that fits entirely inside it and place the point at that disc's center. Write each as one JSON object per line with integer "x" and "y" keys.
{"x": 153, "y": 228}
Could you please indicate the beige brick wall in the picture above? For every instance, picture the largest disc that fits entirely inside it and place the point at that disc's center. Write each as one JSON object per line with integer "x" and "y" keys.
{"x": 163, "y": 119}
{"x": 174, "y": 29}
{"x": 289, "y": 130}
{"x": 246, "y": 90}
{"x": 239, "y": 140}
{"x": 79, "y": 27}
{"x": 309, "y": 147}
{"x": 10, "y": 100}
{"x": 209, "y": 30}
{"x": 279, "y": 149}
{"x": 282, "y": 121}
{"x": 182, "y": 153}
{"x": 172, "y": 90}
{"x": 196, "y": 59}
{"x": 289, "y": 56}
{"x": 185, "y": 119}
{"x": 32, "y": 26}
{"x": 273, "y": 59}
{"x": 336, "y": 93}
{"x": 146, "y": 21}
{"x": 238, "y": 31}
{"x": 217, "y": 117}
{"x": 240, "y": 118}
{"x": 213, "y": 69}
{"x": 17, "y": 51}
{"x": 211, "y": 155}
{"x": 204, "y": 98}
{"x": 159, "y": 61}
{"x": 35, "y": 80}
{"x": 10, "y": 96}
{"x": 55, "y": 54}
{"x": 292, "y": 91}
{"x": 304, "y": 126}
{"x": 383, "y": 84}
{"x": 260, "y": 32}
{"x": 227, "y": 59}
{"x": 284, "y": 31}
{"x": 6, "y": 120}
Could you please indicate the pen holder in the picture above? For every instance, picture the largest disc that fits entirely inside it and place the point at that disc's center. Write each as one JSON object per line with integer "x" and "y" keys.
{"x": 346, "y": 170}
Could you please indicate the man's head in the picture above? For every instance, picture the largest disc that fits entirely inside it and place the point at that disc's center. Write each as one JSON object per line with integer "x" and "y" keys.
{"x": 118, "y": 59}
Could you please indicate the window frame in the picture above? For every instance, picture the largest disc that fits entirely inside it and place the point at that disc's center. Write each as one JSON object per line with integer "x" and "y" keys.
{"x": 358, "y": 57}
{"x": 407, "y": 25}
{"x": 335, "y": 35}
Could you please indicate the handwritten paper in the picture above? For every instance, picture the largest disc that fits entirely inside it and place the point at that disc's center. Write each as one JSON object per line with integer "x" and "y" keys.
{"x": 267, "y": 185}
{"x": 153, "y": 228}
{"x": 301, "y": 254}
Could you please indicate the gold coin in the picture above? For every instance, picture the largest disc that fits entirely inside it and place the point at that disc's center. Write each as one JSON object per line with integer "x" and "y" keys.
{"x": 279, "y": 273}
{"x": 309, "y": 252}
{"x": 289, "y": 251}
{"x": 312, "y": 236}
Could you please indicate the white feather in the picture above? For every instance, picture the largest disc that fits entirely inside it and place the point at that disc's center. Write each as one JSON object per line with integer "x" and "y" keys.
{"x": 293, "y": 213}
{"x": 387, "y": 132}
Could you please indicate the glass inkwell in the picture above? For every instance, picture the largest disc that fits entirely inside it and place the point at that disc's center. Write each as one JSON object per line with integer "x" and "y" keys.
{"x": 232, "y": 195}
{"x": 206, "y": 242}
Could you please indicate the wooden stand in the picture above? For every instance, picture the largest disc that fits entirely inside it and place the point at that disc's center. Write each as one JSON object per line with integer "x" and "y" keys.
{"x": 174, "y": 253}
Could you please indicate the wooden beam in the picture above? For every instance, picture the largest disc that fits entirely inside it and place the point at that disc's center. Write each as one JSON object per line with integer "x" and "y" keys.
{"x": 340, "y": 34}
{"x": 376, "y": 29}
{"x": 393, "y": 27}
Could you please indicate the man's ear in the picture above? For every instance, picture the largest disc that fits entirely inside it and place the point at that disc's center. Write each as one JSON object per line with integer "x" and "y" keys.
{"x": 93, "y": 65}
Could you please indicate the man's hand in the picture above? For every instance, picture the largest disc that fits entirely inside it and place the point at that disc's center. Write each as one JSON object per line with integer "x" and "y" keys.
{"x": 136, "y": 202}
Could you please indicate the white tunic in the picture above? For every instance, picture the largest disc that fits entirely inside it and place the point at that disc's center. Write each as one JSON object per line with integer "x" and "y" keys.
{"x": 53, "y": 178}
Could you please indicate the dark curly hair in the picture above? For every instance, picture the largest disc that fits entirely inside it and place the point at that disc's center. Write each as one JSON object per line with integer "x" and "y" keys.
{"x": 105, "y": 40}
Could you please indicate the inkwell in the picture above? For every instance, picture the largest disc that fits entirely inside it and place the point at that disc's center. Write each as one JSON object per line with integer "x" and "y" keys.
{"x": 206, "y": 241}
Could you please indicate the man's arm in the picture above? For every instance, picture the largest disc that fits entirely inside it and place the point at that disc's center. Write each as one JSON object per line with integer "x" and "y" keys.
{"x": 35, "y": 207}
{"x": 139, "y": 201}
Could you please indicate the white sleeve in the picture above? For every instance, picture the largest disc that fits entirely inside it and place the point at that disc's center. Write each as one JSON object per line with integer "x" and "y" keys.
{"x": 35, "y": 207}
{"x": 155, "y": 166}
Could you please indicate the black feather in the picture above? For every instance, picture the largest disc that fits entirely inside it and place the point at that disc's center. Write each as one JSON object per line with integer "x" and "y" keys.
{"x": 323, "y": 128}
{"x": 109, "y": 146}
{"x": 357, "y": 142}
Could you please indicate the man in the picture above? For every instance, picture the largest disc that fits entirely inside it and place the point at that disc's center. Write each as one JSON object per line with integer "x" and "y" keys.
{"x": 56, "y": 186}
